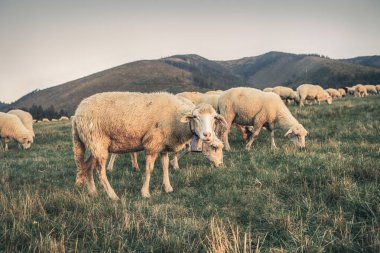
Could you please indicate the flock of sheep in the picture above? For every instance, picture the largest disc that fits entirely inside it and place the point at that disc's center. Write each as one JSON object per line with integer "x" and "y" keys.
{"x": 159, "y": 123}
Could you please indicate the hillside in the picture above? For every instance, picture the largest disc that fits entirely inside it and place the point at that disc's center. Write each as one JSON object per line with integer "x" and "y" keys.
{"x": 371, "y": 61}
{"x": 276, "y": 68}
{"x": 192, "y": 72}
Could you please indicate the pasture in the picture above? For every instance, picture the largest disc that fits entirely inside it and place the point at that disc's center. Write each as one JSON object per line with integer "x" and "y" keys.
{"x": 322, "y": 199}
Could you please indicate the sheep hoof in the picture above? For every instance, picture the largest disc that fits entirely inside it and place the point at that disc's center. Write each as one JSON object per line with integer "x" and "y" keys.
{"x": 145, "y": 194}
{"x": 136, "y": 168}
{"x": 174, "y": 166}
{"x": 168, "y": 188}
{"x": 248, "y": 148}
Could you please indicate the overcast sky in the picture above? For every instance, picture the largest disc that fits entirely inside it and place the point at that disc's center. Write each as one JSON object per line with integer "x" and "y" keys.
{"x": 46, "y": 43}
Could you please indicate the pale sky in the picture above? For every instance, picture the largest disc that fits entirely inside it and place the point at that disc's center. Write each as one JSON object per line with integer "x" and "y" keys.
{"x": 44, "y": 43}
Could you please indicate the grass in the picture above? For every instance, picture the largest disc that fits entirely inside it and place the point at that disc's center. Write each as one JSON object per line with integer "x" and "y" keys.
{"x": 323, "y": 199}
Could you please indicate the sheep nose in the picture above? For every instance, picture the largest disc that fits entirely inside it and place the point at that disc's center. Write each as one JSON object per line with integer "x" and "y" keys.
{"x": 207, "y": 134}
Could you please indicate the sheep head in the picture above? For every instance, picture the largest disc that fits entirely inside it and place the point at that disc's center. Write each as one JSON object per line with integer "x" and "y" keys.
{"x": 214, "y": 152}
{"x": 203, "y": 121}
{"x": 25, "y": 140}
{"x": 297, "y": 134}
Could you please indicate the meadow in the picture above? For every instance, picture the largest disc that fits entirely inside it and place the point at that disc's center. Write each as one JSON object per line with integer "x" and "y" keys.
{"x": 322, "y": 199}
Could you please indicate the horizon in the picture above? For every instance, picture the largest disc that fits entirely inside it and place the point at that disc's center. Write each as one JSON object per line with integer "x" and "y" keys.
{"x": 46, "y": 43}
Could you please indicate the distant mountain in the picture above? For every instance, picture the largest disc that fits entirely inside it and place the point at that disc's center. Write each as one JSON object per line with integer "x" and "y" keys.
{"x": 276, "y": 68}
{"x": 3, "y": 106}
{"x": 192, "y": 72}
{"x": 371, "y": 61}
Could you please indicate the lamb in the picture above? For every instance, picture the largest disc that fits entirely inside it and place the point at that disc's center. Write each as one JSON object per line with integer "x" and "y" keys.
{"x": 313, "y": 92}
{"x": 12, "y": 128}
{"x": 334, "y": 93}
{"x": 25, "y": 117}
{"x": 286, "y": 93}
{"x": 342, "y": 92}
{"x": 371, "y": 89}
{"x": 249, "y": 106}
{"x": 360, "y": 90}
{"x": 157, "y": 123}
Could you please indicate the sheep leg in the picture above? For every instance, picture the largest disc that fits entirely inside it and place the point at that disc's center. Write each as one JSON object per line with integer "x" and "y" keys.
{"x": 165, "y": 172}
{"x": 174, "y": 162}
{"x": 111, "y": 162}
{"x": 102, "y": 161}
{"x": 89, "y": 174}
{"x": 79, "y": 151}
{"x": 6, "y": 141}
{"x": 135, "y": 164}
{"x": 271, "y": 137}
{"x": 255, "y": 134}
{"x": 149, "y": 165}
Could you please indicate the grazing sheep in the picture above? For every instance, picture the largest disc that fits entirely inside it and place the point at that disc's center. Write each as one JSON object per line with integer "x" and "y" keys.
{"x": 371, "y": 89}
{"x": 342, "y": 92}
{"x": 351, "y": 91}
{"x": 286, "y": 93}
{"x": 268, "y": 89}
{"x": 45, "y": 120}
{"x": 378, "y": 88}
{"x": 64, "y": 118}
{"x": 249, "y": 106}
{"x": 123, "y": 122}
{"x": 334, "y": 93}
{"x": 360, "y": 90}
{"x": 12, "y": 128}
{"x": 25, "y": 117}
{"x": 313, "y": 92}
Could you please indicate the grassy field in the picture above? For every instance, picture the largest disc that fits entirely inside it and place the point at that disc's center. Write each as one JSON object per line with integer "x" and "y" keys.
{"x": 323, "y": 199}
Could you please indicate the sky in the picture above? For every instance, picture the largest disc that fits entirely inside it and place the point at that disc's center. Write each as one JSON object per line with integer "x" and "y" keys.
{"x": 44, "y": 43}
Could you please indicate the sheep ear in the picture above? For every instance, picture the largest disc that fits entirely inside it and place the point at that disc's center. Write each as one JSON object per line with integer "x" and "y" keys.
{"x": 290, "y": 131}
{"x": 221, "y": 120}
{"x": 186, "y": 118}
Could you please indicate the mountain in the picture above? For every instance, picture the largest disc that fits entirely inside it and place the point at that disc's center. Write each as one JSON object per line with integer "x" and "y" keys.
{"x": 277, "y": 68}
{"x": 371, "y": 61}
{"x": 3, "y": 105}
{"x": 194, "y": 73}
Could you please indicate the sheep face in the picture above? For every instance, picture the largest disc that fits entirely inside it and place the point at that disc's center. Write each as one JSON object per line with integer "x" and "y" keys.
{"x": 25, "y": 141}
{"x": 297, "y": 135}
{"x": 203, "y": 122}
{"x": 214, "y": 152}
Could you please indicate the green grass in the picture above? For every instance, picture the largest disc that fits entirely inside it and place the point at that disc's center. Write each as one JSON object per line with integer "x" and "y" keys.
{"x": 323, "y": 199}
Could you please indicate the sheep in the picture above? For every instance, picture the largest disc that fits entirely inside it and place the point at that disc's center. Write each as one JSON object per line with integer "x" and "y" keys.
{"x": 371, "y": 89}
{"x": 378, "y": 88}
{"x": 351, "y": 90}
{"x": 342, "y": 92}
{"x": 334, "y": 93}
{"x": 268, "y": 89}
{"x": 313, "y": 92}
{"x": 360, "y": 90}
{"x": 63, "y": 118}
{"x": 45, "y": 120}
{"x": 193, "y": 96}
{"x": 25, "y": 117}
{"x": 12, "y": 128}
{"x": 286, "y": 93}
{"x": 122, "y": 122}
{"x": 54, "y": 120}
{"x": 249, "y": 106}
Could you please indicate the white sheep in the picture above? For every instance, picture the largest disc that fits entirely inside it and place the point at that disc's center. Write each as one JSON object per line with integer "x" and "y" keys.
{"x": 371, "y": 89}
{"x": 342, "y": 92}
{"x": 360, "y": 90}
{"x": 313, "y": 92}
{"x": 378, "y": 88}
{"x": 334, "y": 93}
{"x": 249, "y": 106}
{"x": 351, "y": 90}
{"x": 12, "y": 128}
{"x": 286, "y": 93}
{"x": 64, "y": 118}
{"x": 123, "y": 122}
{"x": 25, "y": 117}
{"x": 45, "y": 120}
